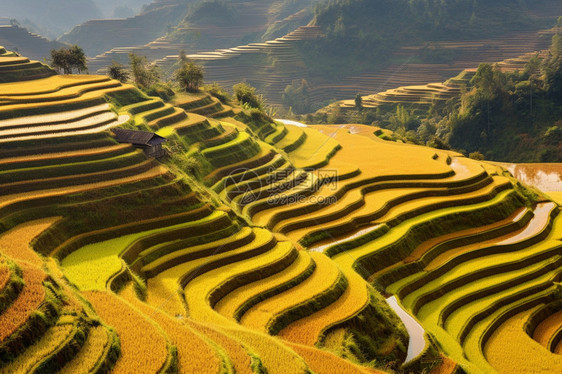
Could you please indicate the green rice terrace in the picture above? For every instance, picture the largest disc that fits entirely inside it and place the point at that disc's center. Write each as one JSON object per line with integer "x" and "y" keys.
{"x": 257, "y": 246}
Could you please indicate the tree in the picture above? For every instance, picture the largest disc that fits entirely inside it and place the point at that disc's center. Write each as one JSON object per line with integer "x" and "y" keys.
{"x": 145, "y": 75}
{"x": 476, "y": 155}
{"x": 358, "y": 102}
{"x": 182, "y": 56}
{"x": 336, "y": 116}
{"x": 189, "y": 75}
{"x": 296, "y": 96}
{"x": 118, "y": 72}
{"x": 489, "y": 81}
{"x": 68, "y": 60}
{"x": 246, "y": 95}
{"x": 78, "y": 59}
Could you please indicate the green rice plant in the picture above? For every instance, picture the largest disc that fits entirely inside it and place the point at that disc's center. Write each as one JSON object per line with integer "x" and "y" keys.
{"x": 103, "y": 258}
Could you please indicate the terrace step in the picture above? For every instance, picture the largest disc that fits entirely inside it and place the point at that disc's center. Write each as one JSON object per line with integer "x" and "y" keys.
{"x": 322, "y": 288}
{"x": 315, "y": 152}
{"x": 112, "y": 158}
{"x": 194, "y": 128}
{"x": 351, "y": 181}
{"x": 431, "y": 249}
{"x": 52, "y": 85}
{"x": 535, "y": 230}
{"x": 55, "y": 348}
{"x": 214, "y": 106}
{"x": 280, "y": 132}
{"x": 11, "y": 283}
{"x": 508, "y": 325}
{"x": 229, "y": 174}
{"x": 21, "y": 324}
{"x": 240, "y": 300}
{"x": 167, "y": 255}
{"x": 98, "y": 354}
{"x": 143, "y": 106}
{"x": 62, "y": 105}
{"x": 83, "y": 155}
{"x": 371, "y": 202}
{"x": 14, "y": 202}
{"x": 98, "y": 120}
{"x": 54, "y": 119}
{"x": 158, "y": 113}
{"x": 177, "y": 116}
{"x": 392, "y": 247}
{"x": 294, "y": 138}
{"x": 230, "y": 133}
{"x": 242, "y": 148}
{"x": 13, "y": 60}
{"x": 90, "y": 125}
{"x": 106, "y": 256}
{"x": 25, "y": 71}
{"x": 227, "y": 111}
{"x": 248, "y": 173}
{"x": 204, "y": 291}
{"x": 309, "y": 330}
{"x": 303, "y": 188}
{"x": 71, "y": 92}
{"x": 164, "y": 285}
{"x": 49, "y": 146}
{"x": 288, "y": 182}
{"x": 548, "y": 333}
{"x": 197, "y": 351}
{"x": 188, "y": 102}
{"x": 144, "y": 346}
{"x": 136, "y": 166}
{"x": 274, "y": 171}
{"x": 458, "y": 306}
{"x": 361, "y": 201}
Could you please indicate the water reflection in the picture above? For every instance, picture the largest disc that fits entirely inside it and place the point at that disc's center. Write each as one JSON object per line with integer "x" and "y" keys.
{"x": 291, "y": 122}
{"x": 417, "y": 340}
{"x": 545, "y": 177}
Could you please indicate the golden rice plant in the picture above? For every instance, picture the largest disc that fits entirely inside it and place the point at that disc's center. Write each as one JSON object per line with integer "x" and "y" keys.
{"x": 325, "y": 362}
{"x": 547, "y": 328}
{"x": 29, "y": 359}
{"x": 324, "y": 277}
{"x": 92, "y": 353}
{"x": 237, "y": 301}
{"x": 16, "y": 242}
{"x": 28, "y": 301}
{"x": 62, "y": 190}
{"x": 144, "y": 348}
{"x": 522, "y": 354}
{"x": 197, "y": 353}
{"x": 309, "y": 329}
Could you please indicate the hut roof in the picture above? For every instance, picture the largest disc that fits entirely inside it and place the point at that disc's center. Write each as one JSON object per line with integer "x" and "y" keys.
{"x": 138, "y": 137}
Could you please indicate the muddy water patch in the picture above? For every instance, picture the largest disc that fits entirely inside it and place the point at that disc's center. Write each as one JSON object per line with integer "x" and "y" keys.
{"x": 545, "y": 177}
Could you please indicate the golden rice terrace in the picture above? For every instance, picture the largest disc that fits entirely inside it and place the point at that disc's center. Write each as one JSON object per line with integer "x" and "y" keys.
{"x": 254, "y": 246}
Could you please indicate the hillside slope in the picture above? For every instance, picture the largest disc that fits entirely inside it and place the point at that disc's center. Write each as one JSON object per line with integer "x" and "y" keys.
{"x": 510, "y": 111}
{"x": 254, "y": 246}
{"x": 19, "y": 39}
{"x": 99, "y": 35}
{"x": 50, "y": 18}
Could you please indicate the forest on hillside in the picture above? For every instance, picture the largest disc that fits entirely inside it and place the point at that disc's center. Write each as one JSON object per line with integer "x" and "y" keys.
{"x": 504, "y": 116}
{"x": 361, "y": 33}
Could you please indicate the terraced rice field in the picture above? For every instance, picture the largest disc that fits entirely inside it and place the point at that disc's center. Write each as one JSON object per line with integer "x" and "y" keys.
{"x": 257, "y": 247}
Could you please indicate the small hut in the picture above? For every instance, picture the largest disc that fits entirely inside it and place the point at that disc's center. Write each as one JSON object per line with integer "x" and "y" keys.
{"x": 149, "y": 142}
